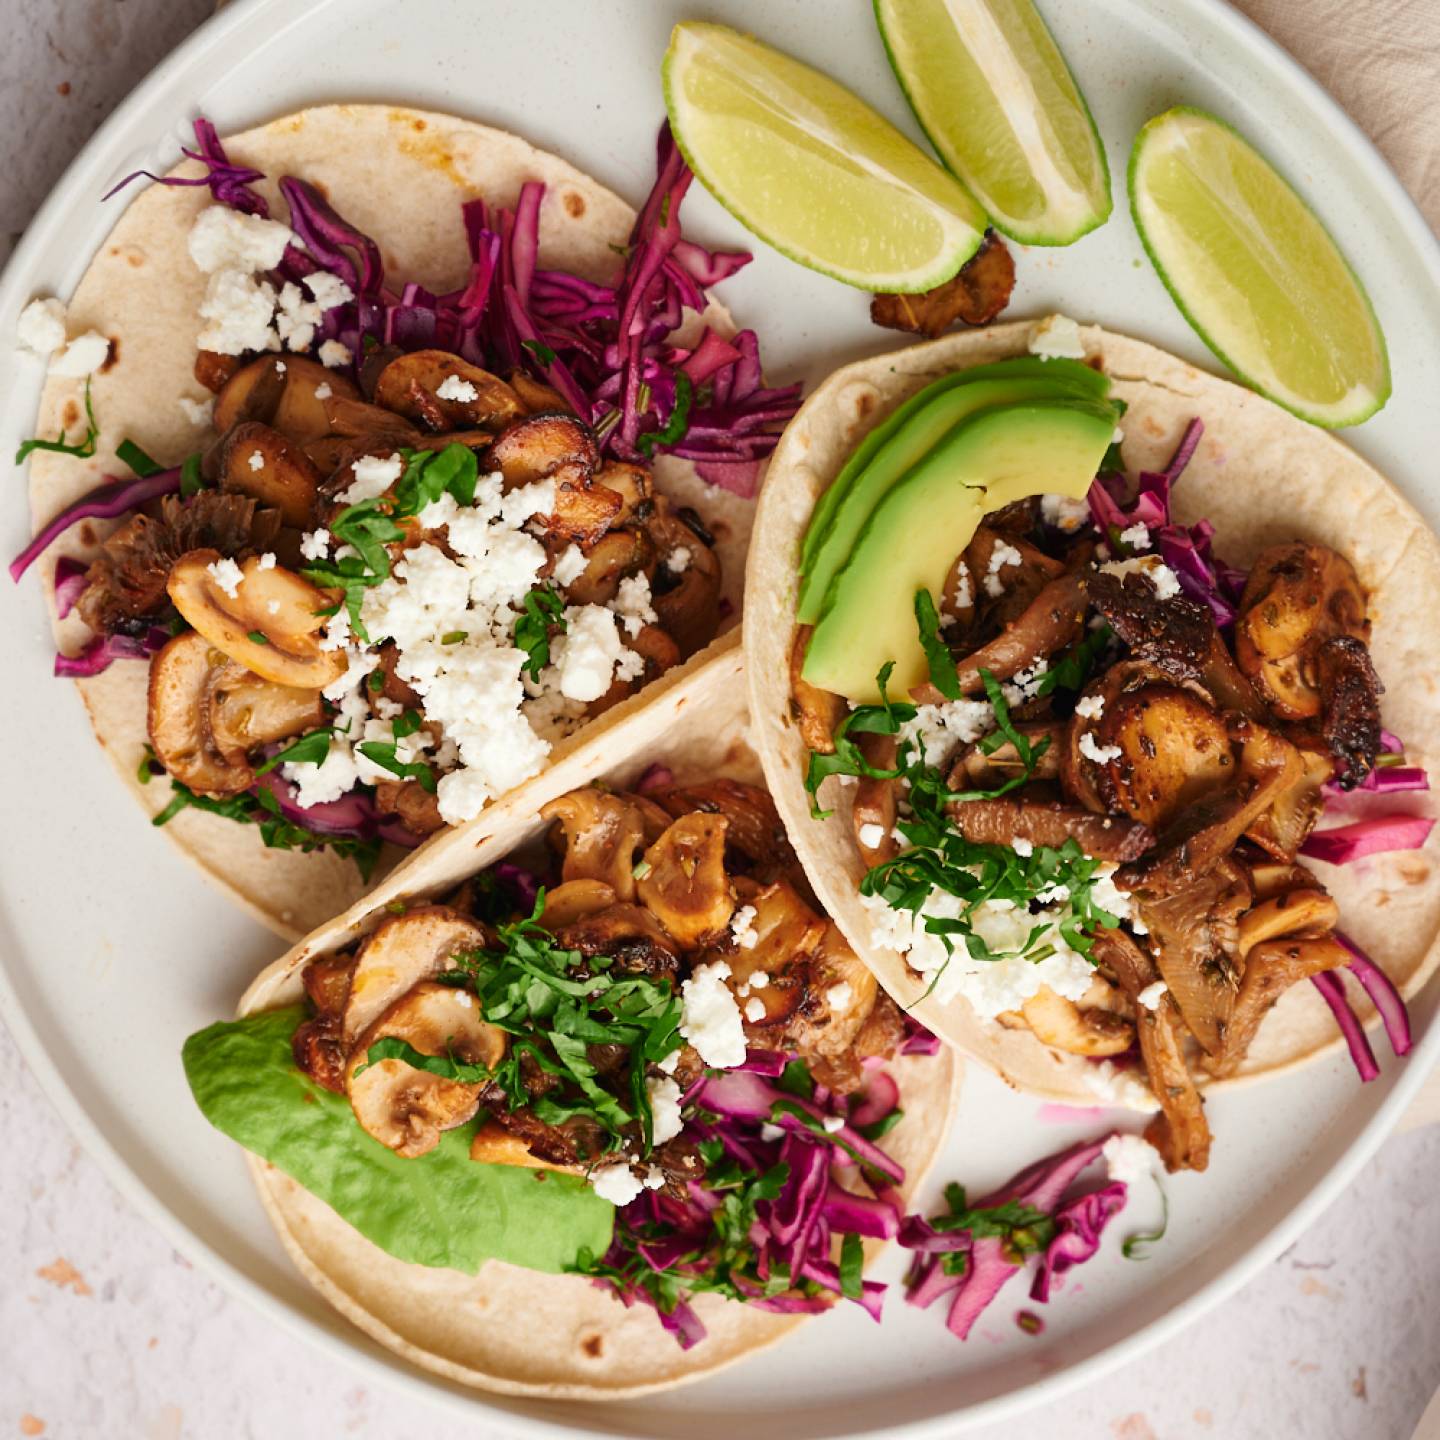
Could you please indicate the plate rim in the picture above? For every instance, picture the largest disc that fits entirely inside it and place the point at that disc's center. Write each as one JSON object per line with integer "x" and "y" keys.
{"x": 355, "y": 1350}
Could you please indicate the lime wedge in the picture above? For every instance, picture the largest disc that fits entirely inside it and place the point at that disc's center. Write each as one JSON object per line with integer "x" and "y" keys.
{"x": 1254, "y": 271}
{"x": 812, "y": 169}
{"x": 992, "y": 91}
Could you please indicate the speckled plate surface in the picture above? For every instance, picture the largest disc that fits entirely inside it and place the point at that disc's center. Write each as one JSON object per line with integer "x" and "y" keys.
{"x": 112, "y": 949}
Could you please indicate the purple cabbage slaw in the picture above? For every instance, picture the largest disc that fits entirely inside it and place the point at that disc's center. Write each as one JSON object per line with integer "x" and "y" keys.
{"x": 990, "y": 1260}
{"x": 1388, "y": 1002}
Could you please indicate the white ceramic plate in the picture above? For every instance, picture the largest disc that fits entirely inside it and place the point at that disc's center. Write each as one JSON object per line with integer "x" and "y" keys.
{"x": 100, "y": 983}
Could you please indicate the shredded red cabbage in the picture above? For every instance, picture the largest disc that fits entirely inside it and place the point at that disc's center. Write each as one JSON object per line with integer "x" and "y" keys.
{"x": 104, "y": 650}
{"x": 1330, "y": 986}
{"x": 1186, "y": 549}
{"x": 1382, "y": 780}
{"x": 353, "y": 816}
{"x": 1376, "y": 836}
{"x": 70, "y": 583}
{"x": 229, "y": 183}
{"x": 1383, "y": 994}
{"x": 1079, "y": 1225}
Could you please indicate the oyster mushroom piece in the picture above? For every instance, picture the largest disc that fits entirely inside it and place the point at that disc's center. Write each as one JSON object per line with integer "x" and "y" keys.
{"x": 573, "y": 900}
{"x": 402, "y": 951}
{"x": 406, "y": 1108}
{"x": 756, "y": 838}
{"x": 875, "y": 802}
{"x": 686, "y": 887}
{"x": 262, "y": 463}
{"x": 1296, "y": 912}
{"x": 177, "y": 718}
{"x": 689, "y": 609}
{"x": 603, "y": 832}
{"x": 282, "y": 644}
{"x": 411, "y": 385}
{"x": 629, "y": 934}
{"x": 1040, "y": 816}
{"x": 415, "y": 807}
{"x": 1283, "y": 828}
{"x": 1077, "y": 1029}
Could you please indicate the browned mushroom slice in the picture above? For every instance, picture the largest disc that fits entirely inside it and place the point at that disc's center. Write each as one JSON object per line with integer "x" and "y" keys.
{"x": 1180, "y": 1132}
{"x": 1295, "y": 912}
{"x": 280, "y": 644}
{"x": 975, "y": 295}
{"x": 405, "y": 1108}
{"x": 1350, "y": 693}
{"x": 817, "y": 712}
{"x": 327, "y": 983}
{"x": 393, "y": 688}
{"x": 213, "y": 370}
{"x": 252, "y": 392}
{"x": 1283, "y": 828}
{"x": 261, "y": 462}
{"x": 773, "y": 960}
{"x": 244, "y": 712}
{"x": 541, "y": 446}
{"x": 536, "y": 398}
{"x": 493, "y": 1144}
{"x": 634, "y": 485}
{"x": 873, "y": 804}
{"x": 603, "y": 833}
{"x": 685, "y": 886}
{"x": 1045, "y": 819}
{"x": 659, "y": 653}
{"x": 755, "y": 840}
{"x": 614, "y": 556}
{"x": 1077, "y": 1029}
{"x": 412, "y": 804}
{"x": 628, "y": 935}
{"x": 426, "y": 384}
{"x": 583, "y": 510}
{"x": 573, "y": 900}
{"x": 402, "y": 951}
{"x": 1051, "y": 622}
{"x": 687, "y": 603}
{"x": 1297, "y": 597}
{"x": 353, "y": 418}
{"x": 842, "y": 997}
{"x": 282, "y": 393}
{"x": 1196, "y": 941}
{"x": 1174, "y": 749}
{"x": 316, "y": 1049}
{"x": 177, "y": 718}
{"x": 1202, "y": 835}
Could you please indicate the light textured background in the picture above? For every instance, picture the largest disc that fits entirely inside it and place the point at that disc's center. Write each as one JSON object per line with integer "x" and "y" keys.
{"x": 107, "y": 1332}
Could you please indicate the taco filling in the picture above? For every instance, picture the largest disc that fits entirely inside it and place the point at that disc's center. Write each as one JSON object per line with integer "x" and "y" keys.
{"x": 652, "y": 1012}
{"x": 1083, "y": 758}
{"x": 426, "y": 542}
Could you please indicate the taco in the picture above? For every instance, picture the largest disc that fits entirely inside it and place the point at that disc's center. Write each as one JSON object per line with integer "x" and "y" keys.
{"x": 595, "y": 1067}
{"x": 441, "y": 455}
{"x": 1057, "y": 751}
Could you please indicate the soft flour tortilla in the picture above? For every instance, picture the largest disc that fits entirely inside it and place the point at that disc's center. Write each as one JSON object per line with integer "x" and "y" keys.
{"x": 509, "y": 1329}
{"x": 401, "y": 176}
{"x": 1262, "y": 477}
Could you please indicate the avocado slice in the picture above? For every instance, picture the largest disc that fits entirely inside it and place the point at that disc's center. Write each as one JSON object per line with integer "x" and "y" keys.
{"x": 901, "y": 442}
{"x": 926, "y": 519}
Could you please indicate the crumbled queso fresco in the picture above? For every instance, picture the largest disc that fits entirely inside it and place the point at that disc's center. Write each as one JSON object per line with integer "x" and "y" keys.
{"x": 449, "y": 607}
{"x": 1129, "y": 1158}
{"x": 1057, "y": 337}
{"x": 710, "y": 1018}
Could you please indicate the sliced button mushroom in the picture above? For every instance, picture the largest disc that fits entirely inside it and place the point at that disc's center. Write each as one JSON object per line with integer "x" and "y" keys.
{"x": 402, "y": 951}
{"x": 280, "y": 644}
{"x": 614, "y": 556}
{"x": 495, "y": 1145}
{"x": 536, "y": 398}
{"x": 245, "y": 712}
{"x": 603, "y": 833}
{"x": 541, "y": 446}
{"x": 787, "y": 933}
{"x": 405, "y": 1108}
{"x": 411, "y": 385}
{"x": 635, "y": 487}
{"x": 573, "y": 900}
{"x": 686, "y": 887}
{"x": 1064, "y": 1025}
{"x": 281, "y": 393}
{"x": 687, "y": 604}
{"x": 177, "y": 718}
{"x": 327, "y": 983}
{"x": 261, "y": 462}
{"x": 659, "y": 654}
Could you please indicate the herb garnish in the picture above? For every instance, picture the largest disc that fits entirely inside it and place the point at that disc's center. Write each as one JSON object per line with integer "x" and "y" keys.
{"x": 82, "y": 449}
{"x": 1136, "y": 1247}
{"x": 543, "y": 607}
{"x": 384, "y": 753}
{"x": 943, "y": 674}
{"x": 676, "y": 425}
{"x": 129, "y": 453}
{"x": 191, "y": 480}
{"x": 542, "y": 352}
{"x": 1022, "y": 1229}
{"x": 310, "y": 749}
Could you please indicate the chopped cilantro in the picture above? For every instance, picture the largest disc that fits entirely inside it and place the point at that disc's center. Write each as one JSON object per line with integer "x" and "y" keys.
{"x": 544, "y": 606}
{"x": 191, "y": 480}
{"x": 82, "y": 449}
{"x": 1137, "y": 1247}
{"x": 676, "y": 425}
{"x": 943, "y": 675}
{"x": 543, "y": 353}
{"x": 129, "y": 453}
{"x": 309, "y": 749}
{"x": 852, "y": 1267}
{"x": 258, "y": 637}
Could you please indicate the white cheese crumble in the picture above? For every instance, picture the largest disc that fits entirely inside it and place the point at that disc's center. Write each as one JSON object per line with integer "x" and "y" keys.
{"x": 267, "y": 560}
{"x": 872, "y": 836}
{"x": 328, "y": 290}
{"x": 256, "y": 460}
{"x": 664, "y": 1097}
{"x": 374, "y": 475}
{"x": 1100, "y": 754}
{"x": 754, "y": 1009}
{"x": 198, "y": 412}
{"x": 226, "y": 239}
{"x": 1137, "y": 537}
{"x": 587, "y": 654}
{"x": 632, "y": 604}
{"x": 1057, "y": 337}
{"x": 771, "y": 1132}
{"x": 832, "y": 1124}
{"x": 238, "y": 308}
{"x": 315, "y": 544}
{"x": 1090, "y": 707}
{"x": 1002, "y": 555}
{"x": 1022, "y": 847}
{"x": 323, "y": 391}
{"x": 83, "y": 356}
{"x": 677, "y": 562}
{"x": 41, "y": 328}
{"x": 939, "y": 728}
{"x": 742, "y": 929}
{"x": 452, "y": 387}
{"x": 839, "y": 995}
{"x": 1162, "y": 577}
{"x": 964, "y": 591}
{"x": 710, "y": 1018}
{"x": 670, "y": 1063}
{"x": 1064, "y": 513}
{"x": 569, "y": 565}
{"x": 1151, "y": 996}
{"x": 616, "y": 1183}
{"x": 1129, "y": 1158}
{"x": 226, "y": 574}
{"x": 1121, "y": 1087}
{"x": 333, "y": 355}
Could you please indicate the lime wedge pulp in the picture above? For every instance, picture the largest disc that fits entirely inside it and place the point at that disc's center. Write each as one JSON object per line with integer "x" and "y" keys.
{"x": 1254, "y": 271}
{"x": 992, "y": 91}
{"x": 812, "y": 169}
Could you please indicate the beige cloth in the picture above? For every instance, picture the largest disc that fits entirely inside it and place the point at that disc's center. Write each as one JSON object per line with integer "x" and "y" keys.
{"x": 1381, "y": 60}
